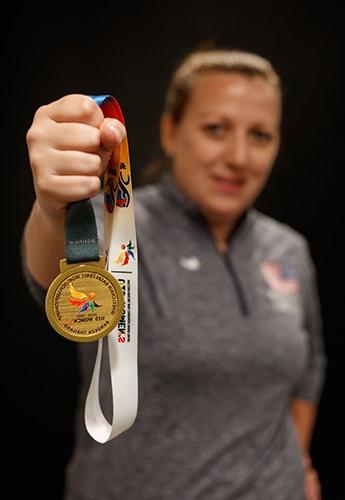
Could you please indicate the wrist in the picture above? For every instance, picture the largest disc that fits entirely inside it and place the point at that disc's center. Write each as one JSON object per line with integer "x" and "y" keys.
{"x": 49, "y": 218}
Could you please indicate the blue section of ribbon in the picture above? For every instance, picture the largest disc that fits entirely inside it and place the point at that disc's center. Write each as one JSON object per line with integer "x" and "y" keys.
{"x": 99, "y": 99}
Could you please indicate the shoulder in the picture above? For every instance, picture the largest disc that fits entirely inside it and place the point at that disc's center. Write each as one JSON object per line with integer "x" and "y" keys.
{"x": 278, "y": 241}
{"x": 148, "y": 196}
{"x": 272, "y": 232}
{"x": 150, "y": 204}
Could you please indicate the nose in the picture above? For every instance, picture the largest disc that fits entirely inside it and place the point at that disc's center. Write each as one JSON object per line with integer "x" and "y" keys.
{"x": 236, "y": 150}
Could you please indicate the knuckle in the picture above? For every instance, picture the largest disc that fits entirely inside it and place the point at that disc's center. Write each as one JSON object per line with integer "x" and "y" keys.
{"x": 94, "y": 185}
{"x": 44, "y": 186}
{"x": 35, "y": 159}
{"x": 87, "y": 108}
{"x": 34, "y": 135}
{"x": 40, "y": 112}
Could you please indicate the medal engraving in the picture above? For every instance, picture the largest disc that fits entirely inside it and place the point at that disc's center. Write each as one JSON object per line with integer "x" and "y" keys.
{"x": 85, "y": 302}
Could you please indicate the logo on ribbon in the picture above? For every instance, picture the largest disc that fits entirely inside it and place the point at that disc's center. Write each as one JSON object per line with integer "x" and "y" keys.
{"x": 110, "y": 189}
{"x": 123, "y": 196}
{"x": 126, "y": 253}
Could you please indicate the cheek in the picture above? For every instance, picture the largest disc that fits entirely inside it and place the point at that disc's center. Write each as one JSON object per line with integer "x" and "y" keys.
{"x": 194, "y": 152}
{"x": 261, "y": 165}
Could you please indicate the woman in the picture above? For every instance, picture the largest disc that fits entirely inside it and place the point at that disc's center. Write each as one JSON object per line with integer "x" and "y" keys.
{"x": 231, "y": 362}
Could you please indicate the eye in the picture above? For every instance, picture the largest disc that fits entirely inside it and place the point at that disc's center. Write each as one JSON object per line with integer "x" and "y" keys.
{"x": 261, "y": 136}
{"x": 214, "y": 129}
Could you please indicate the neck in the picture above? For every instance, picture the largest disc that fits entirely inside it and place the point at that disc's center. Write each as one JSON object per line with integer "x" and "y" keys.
{"x": 221, "y": 233}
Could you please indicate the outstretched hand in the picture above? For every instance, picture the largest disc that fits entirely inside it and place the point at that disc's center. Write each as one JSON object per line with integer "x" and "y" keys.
{"x": 70, "y": 144}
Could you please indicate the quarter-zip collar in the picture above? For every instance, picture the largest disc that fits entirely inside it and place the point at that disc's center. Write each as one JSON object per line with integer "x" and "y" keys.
{"x": 173, "y": 192}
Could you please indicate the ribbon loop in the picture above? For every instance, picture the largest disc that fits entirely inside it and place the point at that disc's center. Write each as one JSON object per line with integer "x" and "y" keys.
{"x": 120, "y": 251}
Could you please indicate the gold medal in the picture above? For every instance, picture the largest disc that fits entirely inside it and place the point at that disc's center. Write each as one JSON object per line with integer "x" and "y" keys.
{"x": 84, "y": 302}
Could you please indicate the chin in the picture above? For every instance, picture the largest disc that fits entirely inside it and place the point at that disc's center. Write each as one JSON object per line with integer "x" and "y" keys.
{"x": 223, "y": 211}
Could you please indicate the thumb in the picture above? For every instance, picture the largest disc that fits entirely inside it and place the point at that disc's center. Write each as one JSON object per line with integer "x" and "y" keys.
{"x": 112, "y": 133}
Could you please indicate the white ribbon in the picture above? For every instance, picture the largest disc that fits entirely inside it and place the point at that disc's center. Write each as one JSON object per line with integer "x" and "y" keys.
{"x": 120, "y": 251}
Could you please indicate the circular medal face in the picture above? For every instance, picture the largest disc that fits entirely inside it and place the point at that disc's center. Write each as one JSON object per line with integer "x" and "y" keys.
{"x": 84, "y": 303}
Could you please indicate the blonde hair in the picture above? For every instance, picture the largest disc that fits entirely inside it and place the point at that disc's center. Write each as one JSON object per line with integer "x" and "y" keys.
{"x": 186, "y": 73}
{"x": 223, "y": 60}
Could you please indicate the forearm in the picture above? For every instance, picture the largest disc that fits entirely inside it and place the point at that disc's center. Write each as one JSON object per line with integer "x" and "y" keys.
{"x": 44, "y": 245}
{"x": 304, "y": 415}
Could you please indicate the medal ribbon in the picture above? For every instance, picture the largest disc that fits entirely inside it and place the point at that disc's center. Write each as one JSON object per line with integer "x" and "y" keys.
{"x": 120, "y": 252}
{"x": 81, "y": 239}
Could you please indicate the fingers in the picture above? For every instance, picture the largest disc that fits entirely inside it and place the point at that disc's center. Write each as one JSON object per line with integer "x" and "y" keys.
{"x": 75, "y": 163}
{"x": 75, "y": 136}
{"x": 74, "y": 108}
{"x": 70, "y": 143}
{"x": 94, "y": 134}
{"x": 60, "y": 190}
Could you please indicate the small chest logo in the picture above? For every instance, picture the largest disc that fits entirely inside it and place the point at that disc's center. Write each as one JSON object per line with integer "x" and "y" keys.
{"x": 280, "y": 277}
{"x": 283, "y": 287}
{"x": 191, "y": 263}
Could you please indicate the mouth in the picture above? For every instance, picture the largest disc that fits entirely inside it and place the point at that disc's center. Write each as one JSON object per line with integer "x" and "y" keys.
{"x": 228, "y": 185}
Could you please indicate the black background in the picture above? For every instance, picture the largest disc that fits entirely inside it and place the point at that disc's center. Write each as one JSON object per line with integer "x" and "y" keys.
{"x": 128, "y": 50}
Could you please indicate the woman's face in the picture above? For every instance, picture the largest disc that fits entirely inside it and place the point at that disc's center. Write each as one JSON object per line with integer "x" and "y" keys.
{"x": 226, "y": 142}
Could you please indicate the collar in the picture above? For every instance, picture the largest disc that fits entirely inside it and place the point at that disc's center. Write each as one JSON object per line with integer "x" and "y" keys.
{"x": 177, "y": 197}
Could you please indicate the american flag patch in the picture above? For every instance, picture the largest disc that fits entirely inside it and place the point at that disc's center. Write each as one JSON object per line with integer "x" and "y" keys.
{"x": 280, "y": 278}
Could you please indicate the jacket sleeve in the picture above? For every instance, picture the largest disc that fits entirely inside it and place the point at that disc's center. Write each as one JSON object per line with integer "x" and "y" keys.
{"x": 311, "y": 383}
{"x": 35, "y": 289}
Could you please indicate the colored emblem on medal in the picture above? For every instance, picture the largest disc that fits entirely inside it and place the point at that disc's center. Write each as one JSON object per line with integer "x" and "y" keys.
{"x": 82, "y": 300}
{"x": 85, "y": 302}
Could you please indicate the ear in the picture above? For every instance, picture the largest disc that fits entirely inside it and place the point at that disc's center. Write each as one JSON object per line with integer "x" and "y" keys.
{"x": 167, "y": 134}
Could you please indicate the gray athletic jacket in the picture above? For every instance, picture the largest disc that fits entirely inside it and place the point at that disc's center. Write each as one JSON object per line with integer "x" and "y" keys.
{"x": 225, "y": 343}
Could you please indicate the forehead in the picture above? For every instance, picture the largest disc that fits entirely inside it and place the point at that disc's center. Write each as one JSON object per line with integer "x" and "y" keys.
{"x": 234, "y": 93}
